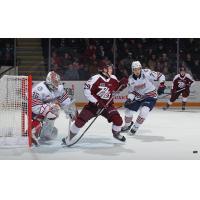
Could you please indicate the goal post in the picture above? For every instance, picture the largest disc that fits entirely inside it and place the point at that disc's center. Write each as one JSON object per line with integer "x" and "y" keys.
{"x": 15, "y": 111}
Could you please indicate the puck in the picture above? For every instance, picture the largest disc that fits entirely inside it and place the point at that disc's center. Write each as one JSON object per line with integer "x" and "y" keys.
{"x": 195, "y": 151}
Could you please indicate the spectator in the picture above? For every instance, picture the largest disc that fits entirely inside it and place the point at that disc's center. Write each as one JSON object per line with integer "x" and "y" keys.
{"x": 156, "y": 54}
{"x": 83, "y": 72}
{"x": 71, "y": 73}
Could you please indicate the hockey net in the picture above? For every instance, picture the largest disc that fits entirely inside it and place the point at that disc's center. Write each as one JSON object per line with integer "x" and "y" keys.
{"x": 15, "y": 111}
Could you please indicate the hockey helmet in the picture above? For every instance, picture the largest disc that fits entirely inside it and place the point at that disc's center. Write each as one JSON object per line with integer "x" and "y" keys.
{"x": 182, "y": 69}
{"x": 53, "y": 80}
{"x": 136, "y": 64}
{"x": 104, "y": 66}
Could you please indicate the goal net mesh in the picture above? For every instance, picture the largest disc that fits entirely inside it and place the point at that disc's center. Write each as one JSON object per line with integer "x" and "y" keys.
{"x": 14, "y": 115}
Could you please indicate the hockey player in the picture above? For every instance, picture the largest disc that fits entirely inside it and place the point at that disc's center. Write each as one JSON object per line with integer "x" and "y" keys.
{"x": 142, "y": 95}
{"x": 48, "y": 98}
{"x": 181, "y": 85}
{"x": 98, "y": 90}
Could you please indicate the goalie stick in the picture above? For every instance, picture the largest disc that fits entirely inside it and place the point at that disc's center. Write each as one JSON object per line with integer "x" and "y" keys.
{"x": 97, "y": 115}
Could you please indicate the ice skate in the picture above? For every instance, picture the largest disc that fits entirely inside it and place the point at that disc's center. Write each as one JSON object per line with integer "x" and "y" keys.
{"x": 166, "y": 107}
{"x": 126, "y": 128}
{"x": 119, "y": 137}
{"x": 133, "y": 130}
{"x": 183, "y": 105}
{"x": 66, "y": 140}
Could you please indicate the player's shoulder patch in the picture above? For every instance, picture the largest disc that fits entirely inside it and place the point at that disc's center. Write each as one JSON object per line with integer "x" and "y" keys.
{"x": 39, "y": 88}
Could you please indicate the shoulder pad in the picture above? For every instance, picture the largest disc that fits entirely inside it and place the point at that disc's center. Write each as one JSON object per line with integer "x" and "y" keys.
{"x": 114, "y": 77}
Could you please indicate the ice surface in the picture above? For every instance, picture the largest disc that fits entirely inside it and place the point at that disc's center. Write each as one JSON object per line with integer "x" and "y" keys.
{"x": 172, "y": 134}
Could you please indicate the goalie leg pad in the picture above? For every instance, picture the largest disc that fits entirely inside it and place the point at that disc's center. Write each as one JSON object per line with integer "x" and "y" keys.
{"x": 36, "y": 127}
{"x": 48, "y": 131}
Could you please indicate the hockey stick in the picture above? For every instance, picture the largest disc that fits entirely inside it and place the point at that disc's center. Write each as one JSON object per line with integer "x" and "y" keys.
{"x": 159, "y": 97}
{"x": 167, "y": 94}
{"x": 97, "y": 115}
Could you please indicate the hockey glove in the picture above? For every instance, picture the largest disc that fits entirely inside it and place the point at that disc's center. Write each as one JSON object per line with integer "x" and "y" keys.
{"x": 100, "y": 104}
{"x": 123, "y": 83}
{"x": 130, "y": 100}
{"x": 161, "y": 88}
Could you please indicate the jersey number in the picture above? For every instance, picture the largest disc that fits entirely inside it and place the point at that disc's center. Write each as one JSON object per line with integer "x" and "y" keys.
{"x": 181, "y": 84}
{"x": 35, "y": 95}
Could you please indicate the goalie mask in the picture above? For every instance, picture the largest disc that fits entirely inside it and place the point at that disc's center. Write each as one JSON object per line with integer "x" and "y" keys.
{"x": 53, "y": 80}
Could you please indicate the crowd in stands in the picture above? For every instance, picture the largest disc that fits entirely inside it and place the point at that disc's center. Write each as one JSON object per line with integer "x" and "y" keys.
{"x": 78, "y": 59}
{"x": 6, "y": 52}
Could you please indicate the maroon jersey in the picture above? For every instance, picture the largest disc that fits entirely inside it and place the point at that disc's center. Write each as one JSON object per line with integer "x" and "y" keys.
{"x": 97, "y": 87}
{"x": 182, "y": 82}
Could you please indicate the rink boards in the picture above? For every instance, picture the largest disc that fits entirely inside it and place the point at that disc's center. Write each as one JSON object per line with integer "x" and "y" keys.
{"x": 193, "y": 99}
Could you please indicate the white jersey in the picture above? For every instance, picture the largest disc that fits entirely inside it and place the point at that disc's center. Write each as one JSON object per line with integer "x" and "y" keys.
{"x": 42, "y": 95}
{"x": 143, "y": 86}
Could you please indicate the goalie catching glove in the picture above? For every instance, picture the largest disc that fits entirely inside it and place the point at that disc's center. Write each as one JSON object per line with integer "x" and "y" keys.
{"x": 50, "y": 110}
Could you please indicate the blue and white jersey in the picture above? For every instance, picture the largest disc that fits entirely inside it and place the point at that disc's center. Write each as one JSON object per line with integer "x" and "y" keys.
{"x": 143, "y": 86}
{"x": 41, "y": 95}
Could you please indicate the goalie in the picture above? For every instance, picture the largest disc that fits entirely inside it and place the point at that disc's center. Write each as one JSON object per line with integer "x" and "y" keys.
{"x": 48, "y": 98}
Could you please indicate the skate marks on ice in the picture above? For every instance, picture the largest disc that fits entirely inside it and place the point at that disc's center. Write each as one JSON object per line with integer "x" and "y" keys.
{"x": 152, "y": 138}
{"x": 179, "y": 110}
{"x": 103, "y": 146}
{"x": 140, "y": 135}
{"x": 92, "y": 144}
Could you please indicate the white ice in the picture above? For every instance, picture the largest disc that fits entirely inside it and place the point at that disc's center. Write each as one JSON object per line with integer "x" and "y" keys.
{"x": 172, "y": 134}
